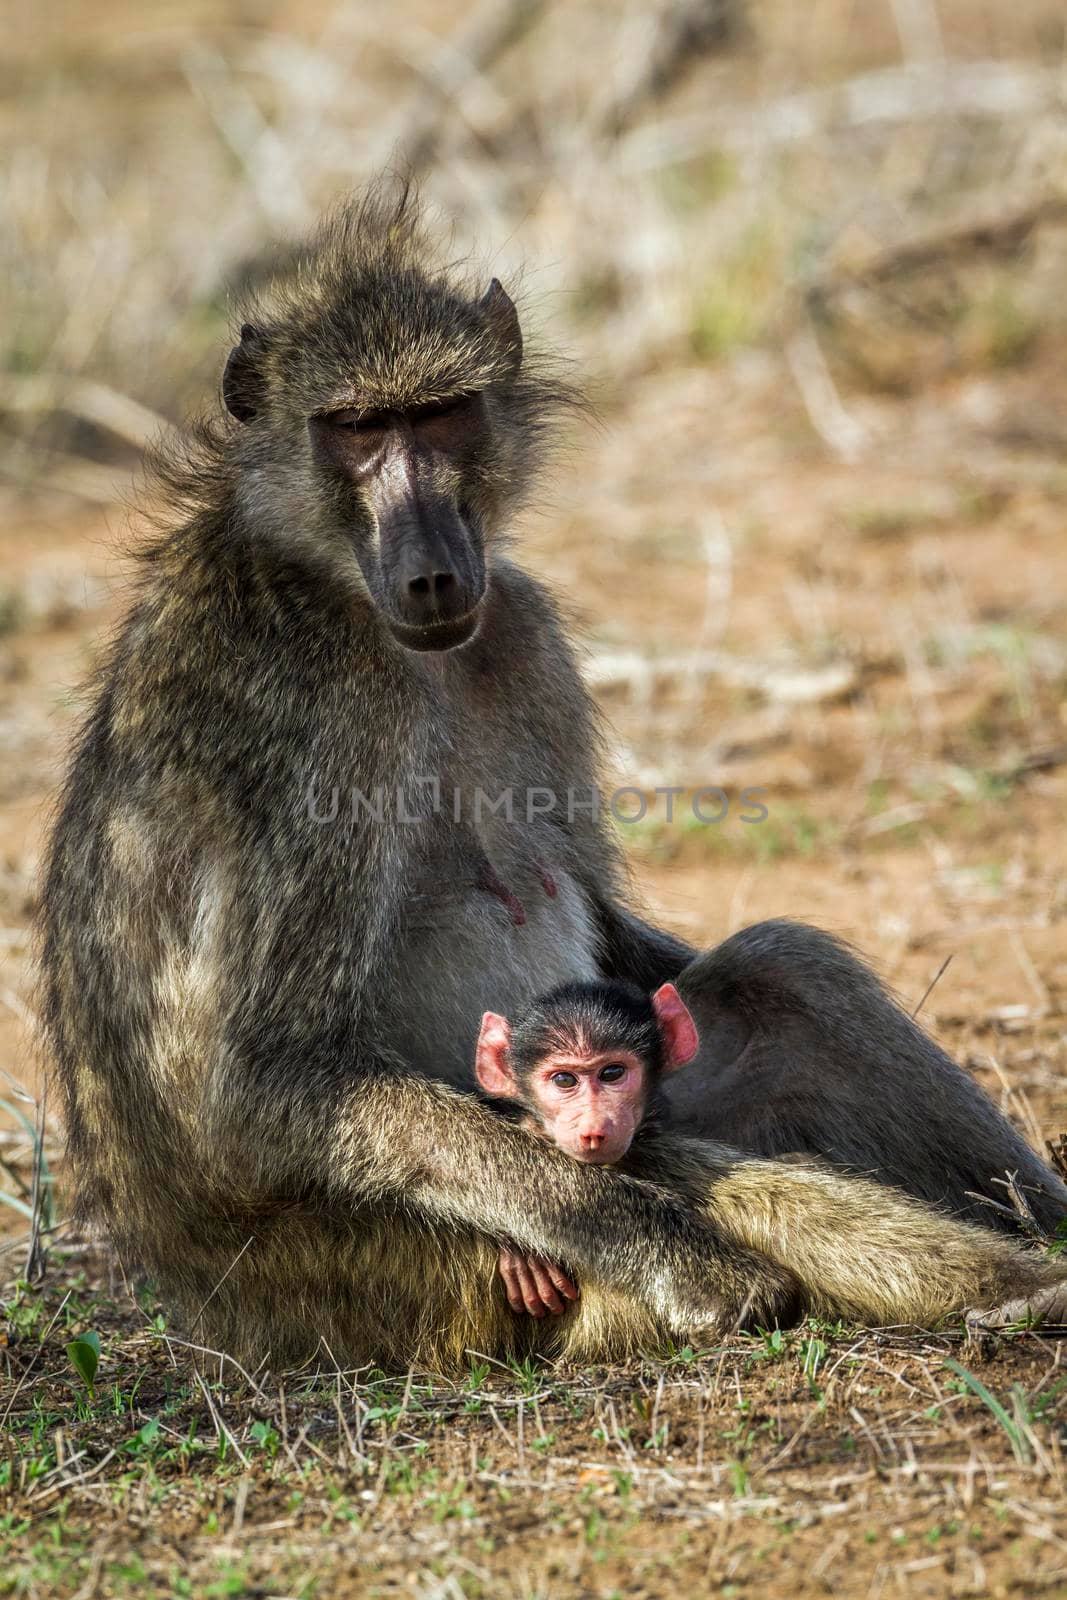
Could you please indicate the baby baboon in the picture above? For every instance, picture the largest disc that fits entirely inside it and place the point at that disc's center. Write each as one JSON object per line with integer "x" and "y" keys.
{"x": 586, "y": 1063}
{"x": 334, "y": 800}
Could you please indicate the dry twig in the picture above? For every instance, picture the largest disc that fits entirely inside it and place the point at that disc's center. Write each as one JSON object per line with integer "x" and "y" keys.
{"x": 1002, "y": 231}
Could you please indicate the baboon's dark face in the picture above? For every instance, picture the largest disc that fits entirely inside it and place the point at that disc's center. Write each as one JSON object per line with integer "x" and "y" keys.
{"x": 422, "y": 552}
{"x": 404, "y": 394}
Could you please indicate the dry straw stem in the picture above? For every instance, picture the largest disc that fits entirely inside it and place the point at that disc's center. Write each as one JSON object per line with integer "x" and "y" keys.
{"x": 1057, "y": 1154}
{"x": 41, "y": 393}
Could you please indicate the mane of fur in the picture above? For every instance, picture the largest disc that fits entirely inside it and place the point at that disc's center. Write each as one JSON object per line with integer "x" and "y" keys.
{"x": 362, "y": 313}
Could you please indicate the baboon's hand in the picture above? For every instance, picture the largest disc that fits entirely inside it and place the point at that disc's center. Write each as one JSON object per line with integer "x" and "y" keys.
{"x": 535, "y": 1285}
{"x": 1047, "y": 1306}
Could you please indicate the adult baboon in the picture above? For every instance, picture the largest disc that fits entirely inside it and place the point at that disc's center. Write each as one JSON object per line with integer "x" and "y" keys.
{"x": 282, "y": 890}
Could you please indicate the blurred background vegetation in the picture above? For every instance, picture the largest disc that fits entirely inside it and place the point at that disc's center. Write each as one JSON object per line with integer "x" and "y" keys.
{"x": 869, "y": 193}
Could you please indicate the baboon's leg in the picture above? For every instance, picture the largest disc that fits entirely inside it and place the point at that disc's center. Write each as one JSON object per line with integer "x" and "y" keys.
{"x": 382, "y": 1292}
{"x": 856, "y": 1248}
{"x": 397, "y": 1294}
{"x": 804, "y": 1049}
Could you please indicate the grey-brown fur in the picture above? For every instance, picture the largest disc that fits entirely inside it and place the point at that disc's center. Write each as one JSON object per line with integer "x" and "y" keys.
{"x": 257, "y": 1017}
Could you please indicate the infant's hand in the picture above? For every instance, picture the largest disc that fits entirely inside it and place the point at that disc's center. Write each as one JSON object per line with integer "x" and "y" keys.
{"x": 534, "y": 1284}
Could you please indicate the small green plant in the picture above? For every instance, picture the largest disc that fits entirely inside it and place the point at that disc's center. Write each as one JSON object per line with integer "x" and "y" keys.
{"x": 812, "y": 1356}
{"x": 144, "y": 1440}
{"x": 1017, "y": 1428}
{"x": 83, "y": 1353}
{"x": 528, "y": 1374}
{"x": 268, "y": 1438}
{"x": 774, "y": 1343}
{"x": 1047, "y": 1405}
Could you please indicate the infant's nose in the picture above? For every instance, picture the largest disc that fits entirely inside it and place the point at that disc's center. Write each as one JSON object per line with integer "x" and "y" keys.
{"x": 590, "y": 1141}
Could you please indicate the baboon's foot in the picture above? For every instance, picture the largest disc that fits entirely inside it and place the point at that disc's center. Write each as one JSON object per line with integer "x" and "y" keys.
{"x": 1046, "y": 1307}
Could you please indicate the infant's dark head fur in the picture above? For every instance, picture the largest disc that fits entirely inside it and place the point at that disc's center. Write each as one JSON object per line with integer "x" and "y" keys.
{"x": 602, "y": 1014}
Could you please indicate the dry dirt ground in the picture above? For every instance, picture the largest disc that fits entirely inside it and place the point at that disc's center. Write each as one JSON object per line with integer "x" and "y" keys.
{"x": 880, "y": 648}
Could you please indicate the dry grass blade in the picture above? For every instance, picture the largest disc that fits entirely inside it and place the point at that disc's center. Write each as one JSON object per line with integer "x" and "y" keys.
{"x": 1018, "y": 1209}
{"x": 221, "y": 1429}
{"x": 222, "y": 1358}
{"x": 249, "y": 1242}
{"x": 932, "y": 985}
{"x": 39, "y": 1194}
{"x": 1057, "y": 1153}
{"x": 840, "y": 431}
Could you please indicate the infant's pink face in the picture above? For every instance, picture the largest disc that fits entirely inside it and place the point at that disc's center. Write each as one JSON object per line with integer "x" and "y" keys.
{"x": 591, "y": 1104}
{"x": 588, "y": 1101}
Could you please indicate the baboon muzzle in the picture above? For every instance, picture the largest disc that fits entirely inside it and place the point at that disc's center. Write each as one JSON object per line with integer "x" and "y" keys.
{"x": 433, "y": 576}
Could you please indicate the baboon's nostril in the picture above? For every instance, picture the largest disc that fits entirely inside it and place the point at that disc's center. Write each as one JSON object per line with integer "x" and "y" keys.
{"x": 429, "y": 591}
{"x": 437, "y": 584}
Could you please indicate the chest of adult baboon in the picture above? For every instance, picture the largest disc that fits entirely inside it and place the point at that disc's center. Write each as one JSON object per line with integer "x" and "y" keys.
{"x": 461, "y": 792}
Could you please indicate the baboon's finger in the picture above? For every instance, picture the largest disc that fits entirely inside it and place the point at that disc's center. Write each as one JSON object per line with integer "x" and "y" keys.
{"x": 509, "y": 1271}
{"x": 529, "y": 1289}
{"x": 551, "y": 1300}
{"x": 522, "y": 1289}
{"x": 567, "y": 1289}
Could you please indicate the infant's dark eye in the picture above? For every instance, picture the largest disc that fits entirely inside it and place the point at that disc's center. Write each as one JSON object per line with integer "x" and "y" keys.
{"x": 612, "y": 1072}
{"x": 564, "y": 1080}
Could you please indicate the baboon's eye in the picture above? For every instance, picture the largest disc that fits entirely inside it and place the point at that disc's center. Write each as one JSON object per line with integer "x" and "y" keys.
{"x": 564, "y": 1080}
{"x": 432, "y": 410}
{"x": 353, "y": 421}
{"x": 612, "y": 1072}
{"x": 359, "y": 421}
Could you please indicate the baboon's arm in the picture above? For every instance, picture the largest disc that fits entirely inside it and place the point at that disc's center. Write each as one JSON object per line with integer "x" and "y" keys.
{"x": 401, "y": 1140}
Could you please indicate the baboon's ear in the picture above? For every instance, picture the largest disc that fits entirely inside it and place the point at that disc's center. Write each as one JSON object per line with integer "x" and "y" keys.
{"x": 677, "y": 1028}
{"x": 243, "y": 381}
{"x": 500, "y": 315}
{"x": 491, "y": 1065}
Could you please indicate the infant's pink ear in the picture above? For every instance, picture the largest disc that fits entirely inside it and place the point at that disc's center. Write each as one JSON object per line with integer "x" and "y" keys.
{"x": 491, "y": 1065}
{"x": 680, "y": 1037}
